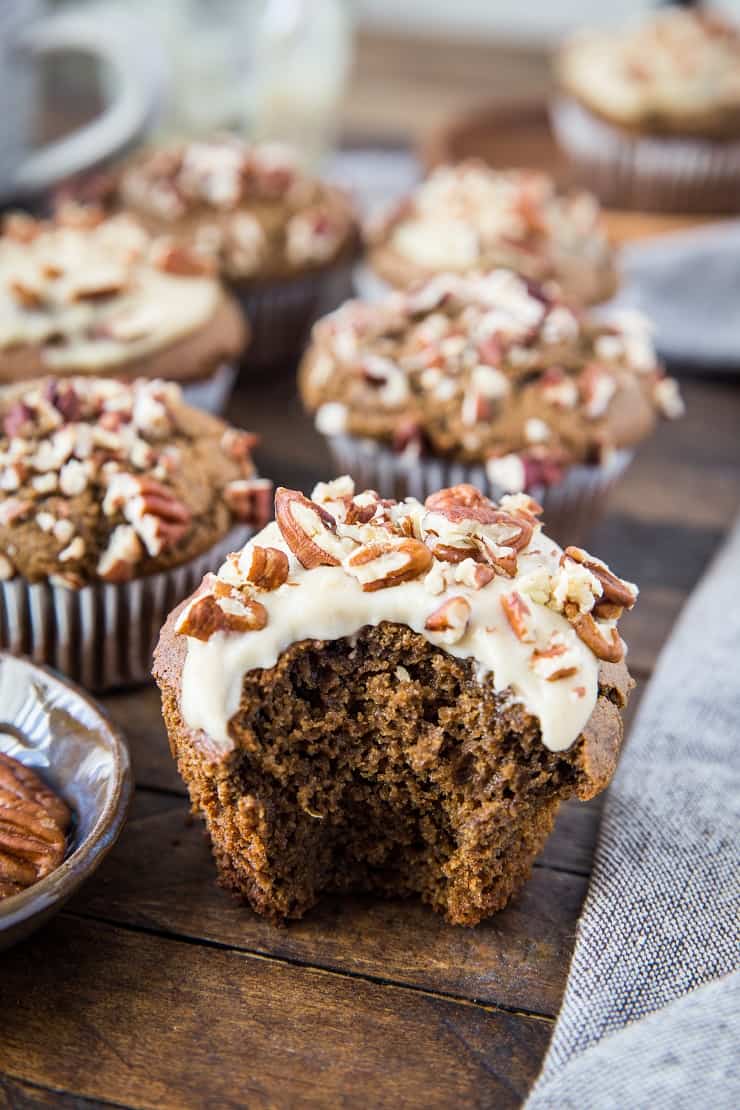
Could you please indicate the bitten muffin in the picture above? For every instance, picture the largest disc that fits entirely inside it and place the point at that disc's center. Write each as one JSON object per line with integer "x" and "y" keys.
{"x": 282, "y": 239}
{"x": 88, "y": 295}
{"x": 471, "y": 217}
{"x": 393, "y": 697}
{"x": 34, "y": 823}
{"x": 114, "y": 496}
{"x": 651, "y": 115}
{"x": 488, "y": 379}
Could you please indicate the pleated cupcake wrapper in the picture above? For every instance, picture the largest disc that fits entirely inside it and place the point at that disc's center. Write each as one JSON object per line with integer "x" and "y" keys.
{"x": 570, "y": 508}
{"x": 280, "y": 314}
{"x": 648, "y": 172}
{"x": 103, "y": 635}
{"x": 211, "y": 394}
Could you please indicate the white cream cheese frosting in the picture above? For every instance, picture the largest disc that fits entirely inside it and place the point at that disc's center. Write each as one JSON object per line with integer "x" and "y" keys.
{"x": 477, "y": 579}
{"x": 98, "y": 296}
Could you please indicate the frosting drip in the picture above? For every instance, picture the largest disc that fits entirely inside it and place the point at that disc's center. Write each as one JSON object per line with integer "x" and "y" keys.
{"x": 320, "y": 573}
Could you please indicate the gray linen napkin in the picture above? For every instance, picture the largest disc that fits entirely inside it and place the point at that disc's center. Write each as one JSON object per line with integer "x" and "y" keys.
{"x": 651, "y": 1014}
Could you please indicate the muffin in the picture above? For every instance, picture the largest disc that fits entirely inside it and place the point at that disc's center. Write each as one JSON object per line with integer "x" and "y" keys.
{"x": 114, "y": 499}
{"x": 650, "y": 116}
{"x": 88, "y": 295}
{"x": 470, "y": 217}
{"x": 34, "y": 822}
{"x": 393, "y": 697}
{"x": 486, "y": 379}
{"x": 282, "y": 240}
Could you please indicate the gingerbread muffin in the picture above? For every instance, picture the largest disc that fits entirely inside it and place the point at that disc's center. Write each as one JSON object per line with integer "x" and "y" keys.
{"x": 486, "y": 379}
{"x": 393, "y": 697}
{"x": 283, "y": 240}
{"x": 88, "y": 295}
{"x": 115, "y": 497}
{"x": 470, "y": 217}
{"x": 650, "y": 116}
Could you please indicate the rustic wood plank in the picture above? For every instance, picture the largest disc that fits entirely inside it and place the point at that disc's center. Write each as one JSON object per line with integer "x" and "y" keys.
{"x": 161, "y": 877}
{"x": 114, "y": 1014}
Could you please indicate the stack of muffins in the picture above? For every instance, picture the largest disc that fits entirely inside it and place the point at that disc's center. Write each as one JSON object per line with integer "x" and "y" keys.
{"x": 393, "y": 685}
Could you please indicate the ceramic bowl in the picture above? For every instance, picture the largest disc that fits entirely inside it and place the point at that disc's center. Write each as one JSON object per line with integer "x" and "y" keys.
{"x": 52, "y": 726}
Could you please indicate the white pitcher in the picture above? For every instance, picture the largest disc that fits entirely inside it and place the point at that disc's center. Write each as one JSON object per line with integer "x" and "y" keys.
{"x": 26, "y": 33}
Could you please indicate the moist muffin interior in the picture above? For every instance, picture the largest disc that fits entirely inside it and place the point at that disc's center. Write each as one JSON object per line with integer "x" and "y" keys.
{"x": 381, "y": 763}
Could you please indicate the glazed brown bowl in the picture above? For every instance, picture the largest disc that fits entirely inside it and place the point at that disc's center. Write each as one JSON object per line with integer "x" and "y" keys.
{"x": 52, "y": 726}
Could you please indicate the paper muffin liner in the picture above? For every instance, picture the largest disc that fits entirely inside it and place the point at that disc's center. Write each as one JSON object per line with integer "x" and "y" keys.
{"x": 280, "y": 314}
{"x": 211, "y": 394}
{"x": 103, "y": 635}
{"x": 571, "y": 507}
{"x": 648, "y": 172}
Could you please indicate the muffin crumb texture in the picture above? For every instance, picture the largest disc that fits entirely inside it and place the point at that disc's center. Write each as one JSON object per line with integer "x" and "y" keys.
{"x": 393, "y": 698}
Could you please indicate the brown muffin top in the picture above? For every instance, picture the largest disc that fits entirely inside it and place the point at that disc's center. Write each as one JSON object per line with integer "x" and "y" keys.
{"x": 88, "y": 295}
{"x": 487, "y": 368}
{"x": 247, "y": 207}
{"x": 677, "y": 72}
{"x": 107, "y": 480}
{"x": 478, "y": 578}
{"x": 470, "y": 217}
{"x": 33, "y": 827}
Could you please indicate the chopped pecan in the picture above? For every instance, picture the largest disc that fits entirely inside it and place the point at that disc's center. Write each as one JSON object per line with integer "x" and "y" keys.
{"x": 82, "y": 216}
{"x": 21, "y": 228}
{"x": 380, "y": 565}
{"x": 518, "y": 614}
{"x": 615, "y": 589}
{"x": 250, "y": 500}
{"x": 604, "y": 643}
{"x": 13, "y": 509}
{"x": 268, "y": 567}
{"x": 123, "y": 552}
{"x": 205, "y": 616}
{"x": 176, "y": 258}
{"x": 308, "y": 529}
{"x": 239, "y": 445}
{"x": 451, "y": 619}
{"x": 28, "y": 290}
{"x": 18, "y": 420}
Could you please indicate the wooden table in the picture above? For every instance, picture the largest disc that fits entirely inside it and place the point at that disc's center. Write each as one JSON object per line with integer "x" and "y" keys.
{"x": 154, "y": 988}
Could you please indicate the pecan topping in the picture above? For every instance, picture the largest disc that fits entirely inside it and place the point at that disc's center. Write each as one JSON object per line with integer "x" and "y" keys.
{"x": 380, "y": 565}
{"x": 451, "y": 619}
{"x": 206, "y": 615}
{"x": 605, "y": 643}
{"x": 615, "y": 589}
{"x": 33, "y": 827}
{"x": 268, "y": 567}
{"x": 308, "y": 529}
{"x": 250, "y": 500}
{"x": 519, "y": 615}
{"x": 174, "y": 258}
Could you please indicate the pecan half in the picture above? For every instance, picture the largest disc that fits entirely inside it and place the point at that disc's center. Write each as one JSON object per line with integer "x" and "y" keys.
{"x": 268, "y": 567}
{"x": 175, "y": 258}
{"x": 380, "y": 565}
{"x": 33, "y": 827}
{"x": 308, "y": 529}
{"x": 615, "y": 589}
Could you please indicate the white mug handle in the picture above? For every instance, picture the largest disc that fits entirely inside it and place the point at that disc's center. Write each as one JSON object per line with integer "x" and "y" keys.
{"x": 139, "y": 69}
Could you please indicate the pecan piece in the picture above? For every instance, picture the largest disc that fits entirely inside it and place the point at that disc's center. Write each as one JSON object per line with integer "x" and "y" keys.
{"x": 308, "y": 529}
{"x": 451, "y": 619}
{"x": 518, "y": 615}
{"x": 250, "y": 500}
{"x": 380, "y": 565}
{"x": 206, "y": 615}
{"x": 268, "y": 567}
{"x": 21, "y": 227}
{"x": 609, "y": 648}
{"x": 176, "y": 258}
{"x": 615, "y": 589}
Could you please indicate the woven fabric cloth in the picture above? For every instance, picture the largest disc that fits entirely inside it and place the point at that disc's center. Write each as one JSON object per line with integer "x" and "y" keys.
{"x": 651, "y": 1014}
